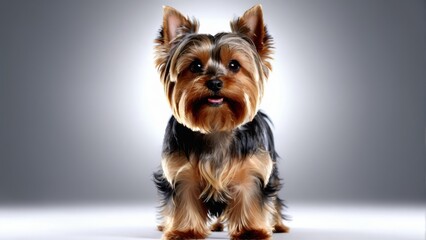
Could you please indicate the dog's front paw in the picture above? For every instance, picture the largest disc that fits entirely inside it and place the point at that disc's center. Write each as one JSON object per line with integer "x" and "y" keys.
{"x": 181, "y": 235}
{"x": 252, "y": 234}
{"x": 281, "y": 228}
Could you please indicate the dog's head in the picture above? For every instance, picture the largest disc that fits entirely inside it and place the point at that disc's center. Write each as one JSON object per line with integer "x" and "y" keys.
{"x": 213, "y": 82}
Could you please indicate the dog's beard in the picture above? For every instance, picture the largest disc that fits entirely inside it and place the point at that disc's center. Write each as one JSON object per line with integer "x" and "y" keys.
{"x": 214, "y": 113}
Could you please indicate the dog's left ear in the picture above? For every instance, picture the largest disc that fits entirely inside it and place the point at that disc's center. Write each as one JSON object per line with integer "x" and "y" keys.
{"x": 251, "y": 24}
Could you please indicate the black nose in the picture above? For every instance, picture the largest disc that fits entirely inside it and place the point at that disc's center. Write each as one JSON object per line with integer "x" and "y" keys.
{"x": 214, "y": 85}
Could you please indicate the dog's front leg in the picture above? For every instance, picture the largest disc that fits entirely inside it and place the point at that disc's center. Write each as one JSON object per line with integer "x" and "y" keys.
{"x": 185, "y": 216}
{"x": 250, "y": 212}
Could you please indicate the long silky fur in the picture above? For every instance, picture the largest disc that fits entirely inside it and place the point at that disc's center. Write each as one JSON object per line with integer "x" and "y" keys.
{"x": 247, "y": 140}
{"x": 218, "y": 161}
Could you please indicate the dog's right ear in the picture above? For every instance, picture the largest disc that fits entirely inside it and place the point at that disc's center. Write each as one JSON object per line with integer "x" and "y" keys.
{"x": 252, "y": 25}
{"x": 174, "y": 25}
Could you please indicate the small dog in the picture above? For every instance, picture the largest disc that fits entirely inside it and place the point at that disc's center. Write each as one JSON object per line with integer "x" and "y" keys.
{"x": 219, "y": 159}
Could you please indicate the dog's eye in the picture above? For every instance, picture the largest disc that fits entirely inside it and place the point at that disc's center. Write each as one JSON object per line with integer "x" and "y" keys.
{"x": 196, "y": 66}
{"x": 234, "y": 66}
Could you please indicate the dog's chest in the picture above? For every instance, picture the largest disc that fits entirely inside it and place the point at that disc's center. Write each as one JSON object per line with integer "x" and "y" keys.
{"x": 216, "y": 167}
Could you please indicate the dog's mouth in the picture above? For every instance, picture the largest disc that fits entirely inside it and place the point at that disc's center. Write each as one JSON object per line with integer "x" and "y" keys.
{"x": 215, "y": 101}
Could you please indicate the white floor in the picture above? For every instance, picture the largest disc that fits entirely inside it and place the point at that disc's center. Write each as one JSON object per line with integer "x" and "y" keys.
{"x": 309, "y": 222}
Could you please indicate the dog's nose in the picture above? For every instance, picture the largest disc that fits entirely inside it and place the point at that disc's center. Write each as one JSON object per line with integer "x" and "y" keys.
{"x": 215, "y": 85}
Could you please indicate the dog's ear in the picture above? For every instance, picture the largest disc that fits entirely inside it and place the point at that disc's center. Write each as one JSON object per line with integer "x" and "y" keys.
{"x": 251, "y": 24}
{"x": 175, "y": 24}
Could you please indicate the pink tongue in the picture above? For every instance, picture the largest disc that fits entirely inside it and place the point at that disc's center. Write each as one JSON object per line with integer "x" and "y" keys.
{"x": 215, "y": 100}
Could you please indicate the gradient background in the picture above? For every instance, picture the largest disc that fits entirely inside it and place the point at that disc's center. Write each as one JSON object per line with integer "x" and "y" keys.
{"x": 82, "y": 111}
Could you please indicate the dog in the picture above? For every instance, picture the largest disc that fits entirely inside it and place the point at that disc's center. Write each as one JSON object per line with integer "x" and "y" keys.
{"x": 218, "y": 157}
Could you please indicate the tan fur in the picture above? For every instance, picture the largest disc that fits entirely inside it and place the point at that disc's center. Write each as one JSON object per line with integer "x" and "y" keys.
{"x": 236, "y": 179}
{"x": 187, "y": 214}
{"x": 246, "y": 212}
{"x": 277, "y": 222}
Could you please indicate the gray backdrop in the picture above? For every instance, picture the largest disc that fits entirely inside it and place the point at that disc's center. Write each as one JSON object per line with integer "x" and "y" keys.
{"x": 82, "y": 112}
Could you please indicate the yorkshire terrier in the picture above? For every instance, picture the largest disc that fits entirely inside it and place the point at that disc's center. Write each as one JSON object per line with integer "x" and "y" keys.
{"x": 218, "y": 157}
